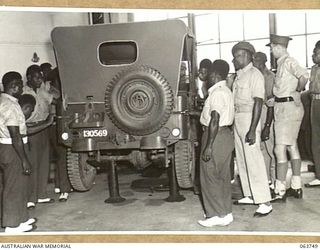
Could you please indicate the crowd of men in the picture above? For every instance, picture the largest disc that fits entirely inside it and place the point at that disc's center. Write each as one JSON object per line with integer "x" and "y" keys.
{"x": 263, "y": 109}
{"x": 258, "y": 113}
{"x": 26, "y": 122}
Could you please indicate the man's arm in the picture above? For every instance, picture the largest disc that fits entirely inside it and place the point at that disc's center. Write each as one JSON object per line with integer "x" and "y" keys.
{"x": 266, "y": 129}
{"x": 212, "y": 133}
{"x": 256, "y": 113}
{"x": 35, "y": 128}
{"x": 18, "y": 146}
{"x": 302, "y": 83}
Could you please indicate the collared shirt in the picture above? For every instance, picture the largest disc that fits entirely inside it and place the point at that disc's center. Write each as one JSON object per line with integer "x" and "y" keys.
{"x": 269, "y": 80}
{"x": 219, "y": 100}
{"x": 287, "y": 77}
{"x": 315, "y": 79}
{"x": 11, "y": 115}
{"x": 249, "y": 83}
{"x": 43, "y": 103}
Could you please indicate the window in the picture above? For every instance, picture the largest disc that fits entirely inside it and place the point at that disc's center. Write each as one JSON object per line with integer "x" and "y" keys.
{"x": 117, "y": 53}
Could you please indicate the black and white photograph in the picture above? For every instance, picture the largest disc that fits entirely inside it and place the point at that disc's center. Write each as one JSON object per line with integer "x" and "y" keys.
{"x": 159, "y": 121}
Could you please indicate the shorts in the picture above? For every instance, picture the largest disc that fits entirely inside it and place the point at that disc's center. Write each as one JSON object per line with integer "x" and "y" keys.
{"x": 288, "y": 117}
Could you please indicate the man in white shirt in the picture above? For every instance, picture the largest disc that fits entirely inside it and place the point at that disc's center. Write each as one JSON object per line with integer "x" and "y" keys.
{"x": 217, "y": 146}
{"x": 13, "y": 160}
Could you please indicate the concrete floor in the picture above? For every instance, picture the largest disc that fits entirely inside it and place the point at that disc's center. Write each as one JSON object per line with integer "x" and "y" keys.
{"x": 147, "y": 211}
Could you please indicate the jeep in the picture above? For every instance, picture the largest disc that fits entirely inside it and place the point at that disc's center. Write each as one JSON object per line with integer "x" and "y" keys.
{"x": 128, "y": 90}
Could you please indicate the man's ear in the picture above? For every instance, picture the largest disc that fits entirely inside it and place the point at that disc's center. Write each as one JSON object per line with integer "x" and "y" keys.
{"x": 29, "y": 77}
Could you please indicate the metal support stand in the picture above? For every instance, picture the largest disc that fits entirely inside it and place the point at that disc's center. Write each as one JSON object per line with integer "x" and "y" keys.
{"x": 174, "y": 195}
{"x": 113, "y": 185}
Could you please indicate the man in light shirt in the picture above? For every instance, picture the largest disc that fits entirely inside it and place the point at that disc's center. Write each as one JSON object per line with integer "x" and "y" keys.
{"x": 249, "y": 92}
{"x": 217, "y": 146}
{"x": 39, "y": 143}
{"x": 291, "y": 79}
{"x": 13, "y": 160}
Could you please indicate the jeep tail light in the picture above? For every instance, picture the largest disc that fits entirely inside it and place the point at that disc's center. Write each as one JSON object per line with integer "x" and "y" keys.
{"x": 65, "y": 136}
{"x": 175, "y": 132}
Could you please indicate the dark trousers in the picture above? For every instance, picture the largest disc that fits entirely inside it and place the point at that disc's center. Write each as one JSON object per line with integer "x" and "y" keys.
{"x": 39, "y": 157}
{"x": 61, "y": 173}
{"x": 215, "y": 174}
{"x": 315, "y": 126}
{"x": 14, "y": 192}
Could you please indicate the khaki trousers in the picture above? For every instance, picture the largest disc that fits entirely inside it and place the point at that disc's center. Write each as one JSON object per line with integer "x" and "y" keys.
{"x": 250, "y": 162}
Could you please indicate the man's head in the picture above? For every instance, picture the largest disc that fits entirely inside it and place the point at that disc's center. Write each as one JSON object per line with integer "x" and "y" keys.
{"x": 34, "y": 76}
{"x": 242, "y": 54}
{"x": 204, "y": 68}
{"x": 12, "y": 83}
{"x": 46, "y": 69}
{"x": 259, "y": 60}
{"x": 316, "y": 53}
{"x": 279, "y": 45}
{"x": 218, "y": 72}
{"x": 27, "y": 104}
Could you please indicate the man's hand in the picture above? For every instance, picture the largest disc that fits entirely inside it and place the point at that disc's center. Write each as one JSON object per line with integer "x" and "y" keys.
{"x": 251, "y": 137}
{"x": 265, "y": 133}
{"x": 26, "y": 166}
{"x": 206, "y": 154}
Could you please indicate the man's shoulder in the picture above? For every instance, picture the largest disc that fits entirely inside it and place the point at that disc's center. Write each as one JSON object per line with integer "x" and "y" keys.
{"x": 256, "y": 73}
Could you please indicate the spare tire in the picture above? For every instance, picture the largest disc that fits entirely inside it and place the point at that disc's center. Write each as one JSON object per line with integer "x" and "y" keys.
{"x": 139, "y": 100}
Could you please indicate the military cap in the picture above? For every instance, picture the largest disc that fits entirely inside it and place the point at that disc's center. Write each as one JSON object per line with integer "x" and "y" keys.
{"x": 260, "y": 56}
{"x": 221, "y": 67}
{"x": 245, "y": 46}
{"x": 282, "y": 40}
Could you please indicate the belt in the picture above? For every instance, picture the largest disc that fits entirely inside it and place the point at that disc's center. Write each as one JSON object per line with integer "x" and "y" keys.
{"x": 283, "y": 99}
{"x": 315, "y": 96}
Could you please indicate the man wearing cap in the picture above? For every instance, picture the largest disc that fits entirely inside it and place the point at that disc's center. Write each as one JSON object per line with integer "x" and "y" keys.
{"x": 217, "y": 146}
{"x": 291, "y": 79}
{"x": 249, "y": 93}
{"x": 267, "y": 134}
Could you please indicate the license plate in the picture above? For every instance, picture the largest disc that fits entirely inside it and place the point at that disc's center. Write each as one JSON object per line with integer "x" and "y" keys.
{"x": 95, "y": 133}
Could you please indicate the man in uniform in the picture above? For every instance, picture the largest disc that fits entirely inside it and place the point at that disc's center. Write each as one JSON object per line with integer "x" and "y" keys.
{"x": 267, "y": 134}
{"x": 249, "y": 93}
{"x": 217, "y": 146}
{"x": 291, "y": 79}
{"x": 13, "y": 160}
{"x": 315, "y": 114}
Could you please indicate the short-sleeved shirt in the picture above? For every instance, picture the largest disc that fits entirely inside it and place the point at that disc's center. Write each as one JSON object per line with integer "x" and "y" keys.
{"x": 315, "y": 79}
{"x": 287, "y": 78}
{"x": 11, "y": 115}
{"x": 43, "y": 103}
{"x": 248, "y": 84}
{"x": 220, "y": 100}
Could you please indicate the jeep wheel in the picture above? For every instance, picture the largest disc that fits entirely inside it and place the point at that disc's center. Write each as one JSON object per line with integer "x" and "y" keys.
{"x": 81, "y": 174}
{"x": 184, "y": 160}
{"x": 139, "y": 100}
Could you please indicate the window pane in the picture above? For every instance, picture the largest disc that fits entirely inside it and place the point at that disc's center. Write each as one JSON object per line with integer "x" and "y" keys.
{"x": 207, "y": 51}
{"x": 115, "y": 53}
{"x": 231, "y": 27}
{"x": 256, "y": 25}
{"x": 312, "y": 39}
{"x": 313, "y": 21}
{"x": 290, "y": 23}
{"x": 297, "y": 49}
{"x": 207, "y": 28}
{"x": 226, "y": 54}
